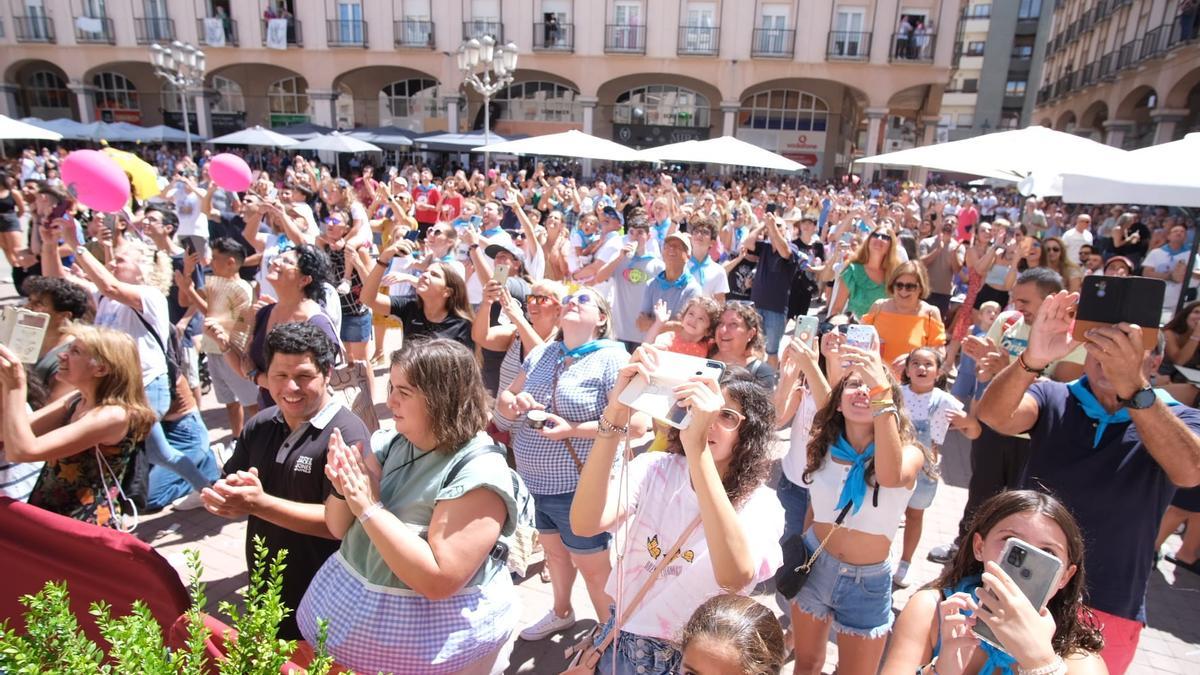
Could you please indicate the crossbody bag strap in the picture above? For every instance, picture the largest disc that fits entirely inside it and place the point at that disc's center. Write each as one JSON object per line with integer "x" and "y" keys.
{"x": 153, "y": 333}
{"x": 641, "y": 594}
{"x": 553, "y": 409}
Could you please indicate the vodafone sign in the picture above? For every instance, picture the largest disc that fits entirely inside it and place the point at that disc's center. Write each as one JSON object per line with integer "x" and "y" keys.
{"x": 806, "y": 147}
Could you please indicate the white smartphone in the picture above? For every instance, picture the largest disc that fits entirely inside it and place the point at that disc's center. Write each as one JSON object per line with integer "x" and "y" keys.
{"x": 656, "y": 397}
{"x": 500, "y": 274}
{"x": 862, "y": 335}
{"x": 1033, "y": 570}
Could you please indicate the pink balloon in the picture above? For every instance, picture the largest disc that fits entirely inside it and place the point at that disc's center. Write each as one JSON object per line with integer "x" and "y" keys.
{"x": 230, "y": 172}
{"x": 96, "y": 180}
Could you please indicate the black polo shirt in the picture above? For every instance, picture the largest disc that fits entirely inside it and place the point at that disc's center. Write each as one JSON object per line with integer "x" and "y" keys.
{"x": 292, "y": 466}
{"x": 1116, "y": 491}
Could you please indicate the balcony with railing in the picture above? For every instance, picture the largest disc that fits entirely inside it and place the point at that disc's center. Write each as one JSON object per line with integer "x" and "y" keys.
{"x": 848, "y": 45}
{"x": 414, "y": 33}
{"x": 773, "y": 43}
{"x": 1154, "y": 42}
{"x": 1107, "y": 67}
{"x": 94, "y": 30}
{"x": 554, "y": 37}
{"x": 153, "y": 29}
{"x": 699, "y": 41}
{"x": 229, "y": 32}
{"x": 1127, "y": 56}
{"x": 624, "y": 39}
{"x": 1087, "y": 75}
{"x": 295, "y": 35}
{"x": 477, "y": 28}
{"x": 34, "y": 29}
{"x": 912, "y": 47}
{"x": 346, "y": 33}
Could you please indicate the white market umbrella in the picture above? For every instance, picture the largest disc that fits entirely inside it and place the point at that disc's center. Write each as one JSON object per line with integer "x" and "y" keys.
{"x": 162, "y": 133}
{"x": 11, "y": 129}
{"x": 572, "y": 143}
{"x": 382, "y": 138}
{"x": 255, "y": 135}
{"x": 455, "y": 142}
{"x": 722, "y": 150}
{"x": 1036, "y": 156}
{"x": 70, "y": 129}
{"x": 1159, "y": 174}
{"x": 337, "y": 142}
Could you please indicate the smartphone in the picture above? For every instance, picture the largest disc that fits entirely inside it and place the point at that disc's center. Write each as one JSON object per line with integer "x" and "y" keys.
{"x": 656, "y": 397}
{"x": 23, "y": 331}
{"x": 500, "y": 274}
{"x": 60, "y": 210}
{"x": 772, "y": 207}
{"x": 188, "y": 246}
{"x": 862, "y": 336}
{"x": 1104, "y": 301}
{"x": 806, "y": 330}
{"x": 1033, "y": 570}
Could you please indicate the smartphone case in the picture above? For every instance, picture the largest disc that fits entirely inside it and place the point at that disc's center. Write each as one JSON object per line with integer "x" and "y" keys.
{"x": 1105, "y": 301}
{"x": 1034, "y": 571}
{"x": 655, "y": 397}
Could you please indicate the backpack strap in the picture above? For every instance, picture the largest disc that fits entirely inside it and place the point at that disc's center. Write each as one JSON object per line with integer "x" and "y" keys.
{"x": 153, "y": 333}
{"x": 499, "y": 552}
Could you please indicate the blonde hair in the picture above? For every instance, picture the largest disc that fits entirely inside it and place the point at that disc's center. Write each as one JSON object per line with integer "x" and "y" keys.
{"x": 863, "y": 255}
{"x": 156, "y": 265}
{"x": 122, "y": 385}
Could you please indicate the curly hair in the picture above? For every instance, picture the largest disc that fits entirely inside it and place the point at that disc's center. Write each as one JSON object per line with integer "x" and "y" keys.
{"x": 315, "y": 264}
{"x": 1075, "y": 625}
{"x": 829, "y": 424}
{"x": 746, "y": 312}
{"x": 447, "y": 375}
{"x": 302, "y": 337}
{"x": 62, "y": 295}
{"x": 711, "y": 309}
{"x": 750, "y": 462}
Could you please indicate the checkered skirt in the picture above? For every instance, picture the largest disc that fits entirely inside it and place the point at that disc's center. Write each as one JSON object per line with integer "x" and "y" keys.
{"x": 374, "y": 630}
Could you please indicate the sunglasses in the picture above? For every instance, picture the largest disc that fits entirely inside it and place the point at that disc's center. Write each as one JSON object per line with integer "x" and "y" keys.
{"x": 334, "y": 221}
{"x": 739, "y": 303}
{"x": 882, "y": 237}
{"x": 518, "y": 236}
{"x": 579, "y": 299}
{"x": 541, "y": 300}
{"x": 1053, "y": 249}
{"x": 905, "y": 286}
{"x": 729, "y": 419}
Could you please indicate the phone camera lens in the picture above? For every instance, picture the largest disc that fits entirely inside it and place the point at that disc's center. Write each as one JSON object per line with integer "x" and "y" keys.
{"x": 1025, "y": 573}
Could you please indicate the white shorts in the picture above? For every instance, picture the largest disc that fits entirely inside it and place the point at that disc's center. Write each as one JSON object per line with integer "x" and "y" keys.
{"x": 228, "y": 386}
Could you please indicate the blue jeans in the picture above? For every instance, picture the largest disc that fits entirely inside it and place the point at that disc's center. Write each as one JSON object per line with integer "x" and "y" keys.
{"x": 552, "y": 515}
{"x": 794, "y": 499}
{"x": 636, "y": 654}
{"x": 774, "y": 324}
{"x": 188, "y": 435}
{"x": 158, "y": 448}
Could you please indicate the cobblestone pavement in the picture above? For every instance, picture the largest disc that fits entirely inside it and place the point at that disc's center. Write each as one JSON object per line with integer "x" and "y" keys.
{"x": 1170, "y": 643}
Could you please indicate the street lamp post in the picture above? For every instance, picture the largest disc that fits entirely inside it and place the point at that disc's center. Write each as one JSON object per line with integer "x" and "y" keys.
{"x": 496, "y": 65}
{"x": 182, "y": 65}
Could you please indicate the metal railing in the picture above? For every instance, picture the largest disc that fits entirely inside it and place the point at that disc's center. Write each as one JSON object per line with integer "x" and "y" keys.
{"x": 699, "y": 41}
{"x": 477, "y": 28}
{"x": 155, "y": 29}
{"x": 624, "y": 39}
{"x": 1127, "y": 56}
{"x": 913, "y": 47}
{"x": 1087, "y": 75}
{"x": 1107, "y": 68}
{"x": 294, "y": 34}
{"x": 773, "y": 42}
{"x": 106, "y": 34}
{"x": 229, "y": 26}
{"x": 554, "y": 37}
{"x": 1154, "y": 42}
{"x": 346, "y": 33}
{"x": 853, "y": 45}
{"x": 34, "y": 29}
{"x": 413, "y": 33}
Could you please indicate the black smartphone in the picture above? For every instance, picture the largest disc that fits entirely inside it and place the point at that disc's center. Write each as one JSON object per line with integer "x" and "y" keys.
{"x": 772, "y": 207}
{"x": 1105, "y": 301}
{"x": 188, "y": 246}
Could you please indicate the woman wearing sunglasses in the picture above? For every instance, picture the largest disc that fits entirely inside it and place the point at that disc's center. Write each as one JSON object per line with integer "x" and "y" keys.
{"x": 551, "y": 409}
{"x": 903, "y": 319}
{"x": 519, "y": 336}
{"x": 862, "y": 281}
{"x": 1054, "y": 256}
{"x": 713, "y": 471}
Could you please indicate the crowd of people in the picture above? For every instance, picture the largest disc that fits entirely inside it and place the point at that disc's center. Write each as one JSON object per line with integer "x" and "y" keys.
{"x": 847, "y": 331}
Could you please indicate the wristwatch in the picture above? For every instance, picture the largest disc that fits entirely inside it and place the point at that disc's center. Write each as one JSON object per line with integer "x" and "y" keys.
{"x": 1142, "y": 398}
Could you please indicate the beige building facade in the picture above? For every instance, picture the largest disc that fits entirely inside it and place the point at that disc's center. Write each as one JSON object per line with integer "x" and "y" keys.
{"x": 1126, "y": 72}
{"x": 817, "y": 81}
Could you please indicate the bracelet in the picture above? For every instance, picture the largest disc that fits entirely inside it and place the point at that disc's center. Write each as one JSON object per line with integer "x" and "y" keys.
{"x": 607, "y": 426}
{"x": 890, "y": 410}
{"x": 1055, "y": 667}
{"x": 1027, "y": 368}
{"x": 878, "y": 391}
{"x": 883, "y": 403}
{"x": 370, "y": 511}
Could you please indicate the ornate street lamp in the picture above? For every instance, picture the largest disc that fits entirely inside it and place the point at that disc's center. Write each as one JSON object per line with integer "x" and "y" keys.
{"x": 182, "y": 65}
{"x": 488, "y": 68}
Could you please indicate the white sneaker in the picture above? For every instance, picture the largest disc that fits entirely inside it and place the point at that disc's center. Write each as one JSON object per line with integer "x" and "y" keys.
{"x": 548, "y": 625}
{"x": 898, "y": 576}
{"x": 188, "y": 502}
{"x": 943, "y": 554}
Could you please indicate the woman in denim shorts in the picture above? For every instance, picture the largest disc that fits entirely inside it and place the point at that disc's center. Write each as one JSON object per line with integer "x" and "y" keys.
{"x": 863, "y": 462}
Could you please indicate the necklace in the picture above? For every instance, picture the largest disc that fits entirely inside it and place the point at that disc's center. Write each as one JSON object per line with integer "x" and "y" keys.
{"x": 411, "y": 460}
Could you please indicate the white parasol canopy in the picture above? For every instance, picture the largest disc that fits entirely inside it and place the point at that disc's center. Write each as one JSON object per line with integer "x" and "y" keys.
{"x": 572, "y": 143}
{"x": 723, "y": 150}
{"x": 255, "y": 135}
{"x": 452, "y": 142}
{"x": 336, "y": 142}
{"x": 18, "y": 130}
{"x": 1037, "y": 156}
{"x": 1159, "y": 174}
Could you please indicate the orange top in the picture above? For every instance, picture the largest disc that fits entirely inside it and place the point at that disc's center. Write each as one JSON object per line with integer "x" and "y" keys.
{"x": 899, "y": 334}
{"x": 674, "y": 342}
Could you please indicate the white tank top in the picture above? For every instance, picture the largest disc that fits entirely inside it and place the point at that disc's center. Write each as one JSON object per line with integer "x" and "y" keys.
{"x": 882, "y": 518}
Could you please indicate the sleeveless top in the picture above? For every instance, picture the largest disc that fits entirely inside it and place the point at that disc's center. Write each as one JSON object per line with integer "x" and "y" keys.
{"x": 877, "y": 516}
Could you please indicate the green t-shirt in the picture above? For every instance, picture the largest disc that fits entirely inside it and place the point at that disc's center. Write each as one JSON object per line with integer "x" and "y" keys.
{"x": 412, "y": 486}
{"x": 861, "y": 290}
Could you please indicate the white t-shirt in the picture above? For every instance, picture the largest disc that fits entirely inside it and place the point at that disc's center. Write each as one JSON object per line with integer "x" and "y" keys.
{"x": 796, "y": 460}
{"x": 929, "y": 413}
{"x": 112, "y": 314}
{"x": 662, "y": 505}
{"x": 192, "y": 219}
{"x": 1074, "y": 240}
{"x": 608, "y": 251}
{"x": 1163, "y": 261}
{"x": 713, "y": 280}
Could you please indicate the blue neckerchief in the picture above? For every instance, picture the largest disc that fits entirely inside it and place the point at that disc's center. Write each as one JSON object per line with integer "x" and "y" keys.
{"x": 1171, "y": 251}
{"x": 998, "y": 660}
{"x": 1092, "y": 408}
{"x": 449, "y": 257}
{"x": 697, "y": 266}
{"x": 855, "y": 489}
{"x": 637, "y": 258}
{"x": 739, "y": 233}
{"x": 682, "y": 281}
{"x": 587, "y": 348}
{"x": 660, "y": 229}
{"x": 492, "y": 232}
{"x": 584, "y": 237}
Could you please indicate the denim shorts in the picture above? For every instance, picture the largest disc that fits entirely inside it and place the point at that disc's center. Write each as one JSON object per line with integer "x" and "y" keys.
{"x": 857, "y": 597}
{"x": 552, "y": 515}
{"x": 774, "y": 324}
{"x": 636, "y": 654}
{"x": 922, "y": 496}
{"x": 794, "y": 499}
{"x": 356, "y": 328}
